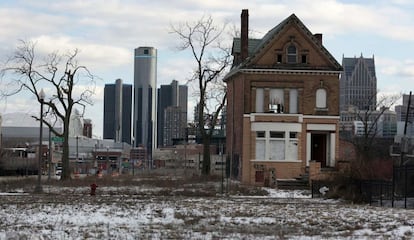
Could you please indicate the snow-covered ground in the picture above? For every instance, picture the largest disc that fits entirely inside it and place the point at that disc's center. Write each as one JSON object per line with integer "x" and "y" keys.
{"x": 134, "y": 212}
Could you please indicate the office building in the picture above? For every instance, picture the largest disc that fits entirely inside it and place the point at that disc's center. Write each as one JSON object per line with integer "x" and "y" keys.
{"x": 358, "y": 84}
{"x": 172, "y": 113}
{"x": 117, "y": 112}
{"x": 145, "y": 86}
{"x": 402, "y": 116}
{"x": 87, "y": 128}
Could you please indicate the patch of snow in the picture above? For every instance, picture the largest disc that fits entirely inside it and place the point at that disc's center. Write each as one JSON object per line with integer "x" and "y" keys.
{"x": 277, "y": 193}
{"x": 281, "y": 214}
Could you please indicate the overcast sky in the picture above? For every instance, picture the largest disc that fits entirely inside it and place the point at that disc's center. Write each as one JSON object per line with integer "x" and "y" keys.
{"x": 107, "y": 31}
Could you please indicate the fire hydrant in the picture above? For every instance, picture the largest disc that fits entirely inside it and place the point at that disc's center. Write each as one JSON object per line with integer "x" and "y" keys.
{"x": 93, "y": 189}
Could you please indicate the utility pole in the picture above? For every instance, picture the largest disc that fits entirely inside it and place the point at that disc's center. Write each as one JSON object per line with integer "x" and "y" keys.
{"x": 77, "y": 154}
{"x": 38, "y": 188}
{"x": 404, "y": 138}
{"x": 49, "y": 156}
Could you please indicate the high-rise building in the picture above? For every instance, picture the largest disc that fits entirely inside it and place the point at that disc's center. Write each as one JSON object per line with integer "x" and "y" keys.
{"x": 358, "y": 84}
{"x": 87, "y": 128}
{"x": 172, "y": 113}
{"x": 145, "y": 87}
{"x": 402, "y": 116}
{"x": 117, "y": 111}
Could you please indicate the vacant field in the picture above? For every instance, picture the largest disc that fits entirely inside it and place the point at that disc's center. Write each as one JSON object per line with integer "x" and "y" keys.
{"x": 170, "y": 208}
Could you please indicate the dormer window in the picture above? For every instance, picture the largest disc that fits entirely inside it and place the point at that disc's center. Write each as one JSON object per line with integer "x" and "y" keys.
{"x": 291, "y": 54}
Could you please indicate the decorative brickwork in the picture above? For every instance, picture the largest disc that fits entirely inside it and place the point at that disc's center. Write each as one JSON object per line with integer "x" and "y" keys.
{"x": 283, "y": 86}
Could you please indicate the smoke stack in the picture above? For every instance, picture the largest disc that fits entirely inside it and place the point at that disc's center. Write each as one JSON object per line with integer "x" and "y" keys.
{"x": 318, "y": 37}
{"x": 244, "y": 35}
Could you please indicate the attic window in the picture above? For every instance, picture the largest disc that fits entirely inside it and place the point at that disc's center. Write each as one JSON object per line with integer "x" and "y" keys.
{"x": 304, "y": 58}
{"x": 279, "y": 58}
{"x": 291, "y": 54}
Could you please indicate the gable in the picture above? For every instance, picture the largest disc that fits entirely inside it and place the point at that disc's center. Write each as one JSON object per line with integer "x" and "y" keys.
{"x": 290, "y": 45}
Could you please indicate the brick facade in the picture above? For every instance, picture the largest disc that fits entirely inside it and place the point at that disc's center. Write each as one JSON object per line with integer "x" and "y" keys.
{"x": 308, "y": 131}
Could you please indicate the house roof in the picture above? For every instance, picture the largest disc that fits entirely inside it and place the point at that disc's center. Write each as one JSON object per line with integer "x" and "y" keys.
{"x": 257, "y": 46}
{"x": 253, "y": 42}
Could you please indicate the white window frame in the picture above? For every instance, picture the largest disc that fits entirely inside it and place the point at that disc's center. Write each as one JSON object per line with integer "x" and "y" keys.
{"x": 272, "y": 143}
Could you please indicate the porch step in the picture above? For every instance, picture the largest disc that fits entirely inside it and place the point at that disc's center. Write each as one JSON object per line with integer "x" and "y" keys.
{"x": 303, "y": 177}
{"x": 292, "y": 184}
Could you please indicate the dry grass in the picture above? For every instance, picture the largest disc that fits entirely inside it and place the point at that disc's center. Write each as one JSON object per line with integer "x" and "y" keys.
{"x": 162, "y": 184}
{"x": 165, "y": 207}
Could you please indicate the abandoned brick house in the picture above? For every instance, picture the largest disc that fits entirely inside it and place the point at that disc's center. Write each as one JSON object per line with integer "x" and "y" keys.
{"x": 283, "y": 104}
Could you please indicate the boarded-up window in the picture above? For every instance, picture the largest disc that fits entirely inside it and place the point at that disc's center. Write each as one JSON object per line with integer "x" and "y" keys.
{"x": 292, "y": 148}
{"x": 259, "y": 100}
{"x": 321, "y": 98}
{"x": 260, "y": 145}
{"x": 277, "y": 149}
{"x": 277, "y": 145}
{"x": 293, "y": 101}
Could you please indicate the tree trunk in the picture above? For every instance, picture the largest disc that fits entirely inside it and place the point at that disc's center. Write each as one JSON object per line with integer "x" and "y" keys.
{"x": 205, "y": 170}
{"x": 65, "y": 153}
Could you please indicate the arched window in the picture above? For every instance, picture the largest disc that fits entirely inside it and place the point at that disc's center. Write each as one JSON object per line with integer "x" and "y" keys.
{"x": 321, "y": 98}
{"x": 291, "y": 54}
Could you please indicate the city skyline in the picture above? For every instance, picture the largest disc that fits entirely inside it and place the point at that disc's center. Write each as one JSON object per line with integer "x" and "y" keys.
{"x": 107, "y": 36}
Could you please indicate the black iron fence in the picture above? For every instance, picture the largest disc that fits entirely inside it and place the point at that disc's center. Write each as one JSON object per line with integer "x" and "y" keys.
{"x": 377, "y": 192}
{"x": 398, "y": 192}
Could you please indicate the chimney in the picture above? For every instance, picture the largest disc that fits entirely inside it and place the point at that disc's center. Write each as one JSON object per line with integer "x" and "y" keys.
{"x": 318, "y": 37}
{"x": 244, "y": 35}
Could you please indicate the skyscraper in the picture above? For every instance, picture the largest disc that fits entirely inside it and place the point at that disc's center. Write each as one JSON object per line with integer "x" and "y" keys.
{"x": 171, "y": 113}
{"x": 117, "y": 111}
{"x": 87, "y": 128}
{"x": 402, "y": 116}
{"x": 358, "y": 84}
{"x": 145, "y": 86}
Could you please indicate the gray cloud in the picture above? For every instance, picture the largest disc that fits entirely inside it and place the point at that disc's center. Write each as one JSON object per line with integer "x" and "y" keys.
{"x": 106, "y": 32}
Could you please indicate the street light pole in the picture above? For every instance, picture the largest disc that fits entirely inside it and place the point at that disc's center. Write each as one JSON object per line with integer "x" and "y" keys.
{"x": 77, "y": 155}
{"x": 107, "y": 159}
{"x": 222, "y": 168}
{"x": 49, "y": 157}
{"x": 38, "y": 188}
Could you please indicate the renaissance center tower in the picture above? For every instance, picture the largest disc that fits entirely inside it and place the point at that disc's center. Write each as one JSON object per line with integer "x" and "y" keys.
{"x": 145, "y": 87}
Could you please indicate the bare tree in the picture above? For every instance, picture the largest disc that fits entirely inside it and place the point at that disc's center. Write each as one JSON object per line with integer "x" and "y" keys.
{"x": 24, "y": 72}
{"x": 367, "y": 144}
{"x": 203, "y": 39}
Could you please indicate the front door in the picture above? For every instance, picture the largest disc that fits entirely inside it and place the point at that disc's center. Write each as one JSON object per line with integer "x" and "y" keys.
{"x": 318, "y": 148}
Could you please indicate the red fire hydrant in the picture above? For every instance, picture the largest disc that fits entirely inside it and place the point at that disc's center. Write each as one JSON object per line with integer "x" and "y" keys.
{"x": 93, "y": 189}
